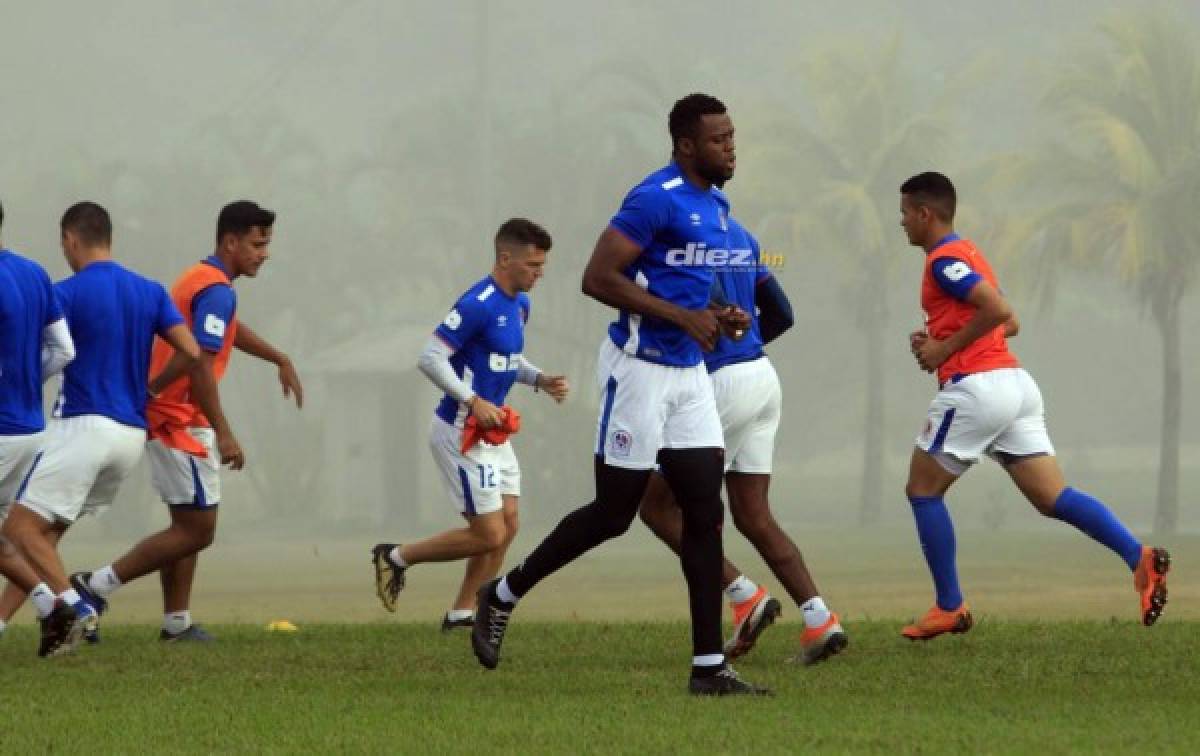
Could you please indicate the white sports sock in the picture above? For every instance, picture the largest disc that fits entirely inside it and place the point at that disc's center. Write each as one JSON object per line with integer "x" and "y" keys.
{"x": 504, "y": 593}
{"x": 176, "y": 622}
{"x": 741, "y": 589}
{"x": 70, "y": 597}
{"x": 815, "y": 613}
{"x": 104, "y": 581}
{"x": 397, "y": 560}
{"x": 708, "y": 660}
{"x": 3, "y": 626}
{"x": 43, "y": 600}
{"x": 459, "y": 614}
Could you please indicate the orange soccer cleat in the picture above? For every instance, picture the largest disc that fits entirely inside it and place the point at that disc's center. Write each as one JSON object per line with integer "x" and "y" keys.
{"x": 750, "y": 618}
{"x": 820, "y": 643}
{"x": 1150, "y": 581}
{"x": 937, "y": 621}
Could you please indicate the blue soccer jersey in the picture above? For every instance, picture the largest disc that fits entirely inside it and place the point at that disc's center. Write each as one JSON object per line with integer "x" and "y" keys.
{"x": 486, "y": 329}
{"x": 683, "y": 232}
{"x": 213, "y": 310}
{"x": 114, "y": 315}
{"x": 735, "y": 284}
{"x": 27, "y": 306}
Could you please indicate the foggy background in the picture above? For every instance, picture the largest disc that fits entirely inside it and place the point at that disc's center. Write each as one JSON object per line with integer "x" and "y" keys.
{"x": 392, "y": 139}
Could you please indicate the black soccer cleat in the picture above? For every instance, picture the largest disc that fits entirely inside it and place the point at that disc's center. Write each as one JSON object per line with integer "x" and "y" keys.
{"x": 491, "y": 621}
{"x": 81, "y": 582}
{"x": 389, "y": 577}
{"x": 449, "y": 625}
{"x": 193, "y": 634}
{"x": 724, "y": 683}
{"x": 57, "y": 628}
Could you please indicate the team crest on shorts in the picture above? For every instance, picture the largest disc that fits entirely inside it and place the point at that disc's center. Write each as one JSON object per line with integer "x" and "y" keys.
{"x": 622, "y": 442}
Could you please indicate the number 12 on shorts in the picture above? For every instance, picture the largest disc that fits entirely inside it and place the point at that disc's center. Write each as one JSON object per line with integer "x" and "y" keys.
{"x": 487, "y": 476}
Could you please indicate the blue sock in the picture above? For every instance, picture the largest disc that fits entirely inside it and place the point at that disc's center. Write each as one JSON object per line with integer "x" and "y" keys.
{"x": 1092, "y": 517}
{"x": 936, "y": 532}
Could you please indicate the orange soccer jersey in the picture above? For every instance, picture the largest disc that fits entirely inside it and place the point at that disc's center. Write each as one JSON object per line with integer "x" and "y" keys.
{"x": 944, "y": 314}
{"x": 174, "y": 407}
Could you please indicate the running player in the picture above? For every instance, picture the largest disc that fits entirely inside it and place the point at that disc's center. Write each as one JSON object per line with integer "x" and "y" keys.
{"x": 100, "y": 418}
{"x": 475, "y": 356}
{"x": 34, "y": 345}
{"x": 190, "y": 437}
{"x": 657, "y": 405}
{"x": 749, "y": 401}
{"x": 987, "y": 404}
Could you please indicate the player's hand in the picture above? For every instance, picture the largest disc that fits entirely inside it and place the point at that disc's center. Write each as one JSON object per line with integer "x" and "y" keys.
{"x": 915, "y": 339}
{"x": 554, "y": 385}
{"x": 290, "y": 380}
{"x": 701, "y": 325}
{"x": 931, "y": 353}
{"x": 486, "y": 414}
{"x": 230, "y": 451}
{"x": 734, "y": 321}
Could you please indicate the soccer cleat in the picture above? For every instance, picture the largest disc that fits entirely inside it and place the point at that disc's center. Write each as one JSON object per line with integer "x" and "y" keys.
{"x": 389, "y": 578}
{"x": 86, "y": 624}
{"x": 750, "y": 618}
{"x": 449, "y": 625}
{"x": 724, "y": 683}
{"x": 819, "y": 643}
{"x": 81, "y": 582}
{"x": 1150, "y": 581}
{"x": 194, "y": 633}
{"x": 56, "y": 627}
{"x": 937, "y": 621}
{"x": 491, "y": 622}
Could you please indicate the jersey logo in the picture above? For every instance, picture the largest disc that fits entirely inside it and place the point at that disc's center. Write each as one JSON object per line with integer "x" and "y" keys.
{"x": 453, "y": 320}
{"x": 214, "y": 326}
{"x": 956, "y": 271}
{"x": 695, "y": 219}
{"x": 702, "y": 255}
{"x": 502, "y": 363}
{"x": 501, "y": 321}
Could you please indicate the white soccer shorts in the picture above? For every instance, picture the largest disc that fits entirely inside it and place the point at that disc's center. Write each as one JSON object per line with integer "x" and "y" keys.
{"x": 16, "y": 455}
{"x": 750, "y": 403}
{"x": 997, "y": 412}
{"x": 81, "y": 466}
{"x": 645, "y": 407}
{"x": 185, "y": 481}
{"x": 476, "y": 481}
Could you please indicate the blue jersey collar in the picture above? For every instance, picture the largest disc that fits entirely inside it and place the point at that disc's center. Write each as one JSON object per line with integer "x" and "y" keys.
{"x": 215, "y": 261}
{"x": 950, "y": 237}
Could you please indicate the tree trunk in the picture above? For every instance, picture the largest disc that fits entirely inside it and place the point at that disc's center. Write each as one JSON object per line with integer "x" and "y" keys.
{"x": 1166, "y": 512}
{"x": 872, "y": 466}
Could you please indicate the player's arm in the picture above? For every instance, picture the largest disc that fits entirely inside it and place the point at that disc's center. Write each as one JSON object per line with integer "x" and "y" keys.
{"x": 203, "y": 390}
{"x": 991, "y": 311}
{"x": 604, "y": 280}
{"x": 774, "y": 310}
{"x": 532, "y": 375}
{"x": 434, "y": 362}
{"x": 246, "y": 340}
{"x": 181, "y": 362}
{"x": 1012, "y": 327}
{"x": 58, "y": 349}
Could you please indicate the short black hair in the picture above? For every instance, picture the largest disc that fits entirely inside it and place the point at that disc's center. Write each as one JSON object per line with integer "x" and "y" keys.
{"x": 240, "y": 217}
{"x": 89, "y": 222}
{"x": 522, "y": 231}
{"x": 933, "y": 190}
{"x": 687, "y": 113}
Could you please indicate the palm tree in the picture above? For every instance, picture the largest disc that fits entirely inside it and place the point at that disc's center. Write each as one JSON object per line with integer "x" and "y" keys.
{"x": 1128, "y": 183}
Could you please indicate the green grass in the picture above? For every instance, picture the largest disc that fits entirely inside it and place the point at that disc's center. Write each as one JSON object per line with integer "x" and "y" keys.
{"x": 1013, "y": 687}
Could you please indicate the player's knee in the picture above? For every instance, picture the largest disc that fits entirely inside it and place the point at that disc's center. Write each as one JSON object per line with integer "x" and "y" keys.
{"x": 753, "y": 525}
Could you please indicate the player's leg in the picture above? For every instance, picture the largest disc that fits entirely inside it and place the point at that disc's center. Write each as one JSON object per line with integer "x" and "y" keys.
{"x": 23, "y": 582}
{"x": 662, "y": 515}
{"x": 480, "y": 569}
{"x": 1027, "y": 454}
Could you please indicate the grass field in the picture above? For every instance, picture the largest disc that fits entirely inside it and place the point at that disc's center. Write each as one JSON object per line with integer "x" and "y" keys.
{"x": 600, "y": 688}
{"x": 596, "y": 660}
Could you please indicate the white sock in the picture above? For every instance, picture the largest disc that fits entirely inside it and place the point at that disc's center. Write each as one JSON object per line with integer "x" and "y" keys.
{"x": 176, "y": 622}
{"x": 815, "y": 613}
{"x": 708, "y": 660}
{"x": 70, "y": 597}
{"x": 504, "y": 593}
{"x": 741, "y": 589}
{"x": 43, "y": 600}
{"x": 397, "y": 560}
{"x": 459, "y": 614}
{"x": 3, "y": 626}
{"x": 104, "y": 581}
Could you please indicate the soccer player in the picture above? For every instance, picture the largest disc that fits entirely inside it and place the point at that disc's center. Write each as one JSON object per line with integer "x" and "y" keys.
{"x": 34, "y": 345}
{"x": 475, "y": 356}
{"x": 749, "y": 401}
{"x": 987, "y": 404}
{"x": 657, "y": 405}
{"x": 100, "y": 418}
{"x": 190, "y": 437}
